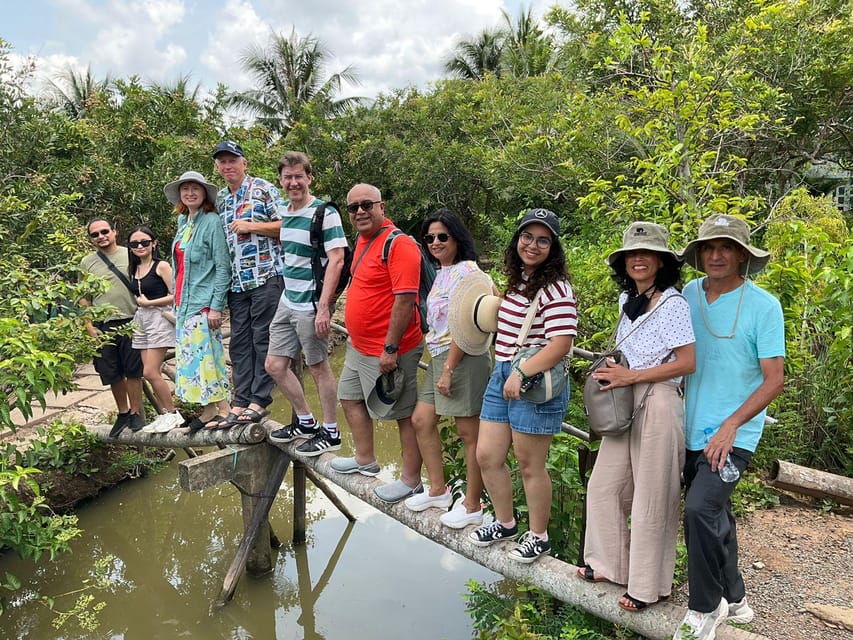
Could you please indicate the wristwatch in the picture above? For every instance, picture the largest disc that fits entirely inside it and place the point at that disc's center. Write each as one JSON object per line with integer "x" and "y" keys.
{"x": 391, "y": 348}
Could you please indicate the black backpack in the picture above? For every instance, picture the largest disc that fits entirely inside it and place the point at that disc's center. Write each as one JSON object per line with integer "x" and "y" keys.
{"x": 427, "y": 275}
{"x": 318, "y": 270}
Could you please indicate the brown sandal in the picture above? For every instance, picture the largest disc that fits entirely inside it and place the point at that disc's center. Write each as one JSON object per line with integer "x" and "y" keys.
{"x": 587, "y": 573}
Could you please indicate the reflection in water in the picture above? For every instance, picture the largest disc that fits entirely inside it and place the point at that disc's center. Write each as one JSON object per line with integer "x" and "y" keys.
{"x": 377, "y": 578}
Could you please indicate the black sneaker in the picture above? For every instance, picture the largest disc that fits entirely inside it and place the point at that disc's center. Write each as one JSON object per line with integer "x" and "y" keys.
{"x": 320, "y": 443}
{"x": 530, "y": 548}
{"x": 135, "y": 422}
{"x": 295, "y": 431}
{"x": 121, "y": 422}
{"x": 492, "y": 532}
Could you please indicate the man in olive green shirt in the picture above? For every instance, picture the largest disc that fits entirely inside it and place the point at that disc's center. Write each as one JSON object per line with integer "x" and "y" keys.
{"x": 118, "y": 364}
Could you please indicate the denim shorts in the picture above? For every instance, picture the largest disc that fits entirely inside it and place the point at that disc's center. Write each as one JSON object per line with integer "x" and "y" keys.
{"x": 522, "y": 416}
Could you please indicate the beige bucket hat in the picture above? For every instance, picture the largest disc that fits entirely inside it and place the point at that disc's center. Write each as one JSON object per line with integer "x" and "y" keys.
{"x": 473, "y": 315}
{"x": 723, "y": 226}
{"x": 644, "y": 235}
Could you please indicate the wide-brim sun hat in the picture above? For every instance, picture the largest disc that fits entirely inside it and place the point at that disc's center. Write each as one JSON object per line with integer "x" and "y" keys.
{"x": 386, "y": 392}
{"x": 723, "y": 226}
{"x": 173, "y": 189}
{"x": 473, "y": 314}
{"x": 648, "y": 236}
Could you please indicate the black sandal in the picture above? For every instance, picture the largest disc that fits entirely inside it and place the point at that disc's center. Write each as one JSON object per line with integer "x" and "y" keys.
{"x": 195, "y": 425}
{"x": 638, "y": 605}
{"x": 587, "y": 573}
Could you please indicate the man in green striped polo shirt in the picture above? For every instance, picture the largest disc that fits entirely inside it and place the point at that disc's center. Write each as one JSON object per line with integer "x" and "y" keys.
{"x": 303, "y": 318}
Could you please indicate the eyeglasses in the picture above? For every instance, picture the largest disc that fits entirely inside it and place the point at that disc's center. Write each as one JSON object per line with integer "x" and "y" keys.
{"x": 542, "y": 242}
{"x": 432, "y": 237}
{"x": 102, "y": 232}
{"x": 367, "y": 205}
{"x": 135, "y": 244}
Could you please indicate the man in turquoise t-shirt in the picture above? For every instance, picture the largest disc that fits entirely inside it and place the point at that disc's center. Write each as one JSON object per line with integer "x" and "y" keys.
{"x": 740, "y": 350}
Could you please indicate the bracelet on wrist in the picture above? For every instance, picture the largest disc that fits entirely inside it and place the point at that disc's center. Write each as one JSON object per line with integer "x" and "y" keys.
{"x": 521, "y": 374}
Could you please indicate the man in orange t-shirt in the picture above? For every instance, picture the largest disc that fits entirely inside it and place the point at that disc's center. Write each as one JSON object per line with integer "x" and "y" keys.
{"x": 384, "y": 337}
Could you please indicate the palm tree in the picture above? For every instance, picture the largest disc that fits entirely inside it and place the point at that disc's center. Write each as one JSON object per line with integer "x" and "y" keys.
{"x": 527, "y": 50}
{"x": 474, "y": 58}
{"x": 73, "y": 90}
{"x": 290, "y": 79}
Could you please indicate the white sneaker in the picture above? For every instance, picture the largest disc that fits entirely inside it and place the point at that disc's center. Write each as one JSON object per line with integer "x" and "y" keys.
{"x": 168, "y": 421}
{"x": 154, "y": 425}
{"x": 423, "y": 501}
{"x": 740, "y": 612}
{"x": 702, "y": 626}
{"x": 459, "y": 517}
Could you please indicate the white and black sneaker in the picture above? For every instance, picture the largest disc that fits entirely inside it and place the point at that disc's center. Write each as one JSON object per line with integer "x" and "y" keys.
{"x": 529, "y": 548}
{"x": 320, "y": 443}
{"x": 492, "y": 532}
{"x": 295, "y": 431}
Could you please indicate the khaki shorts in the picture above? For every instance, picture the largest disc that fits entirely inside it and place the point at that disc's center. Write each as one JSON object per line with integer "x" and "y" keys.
{"x": 292, "y": 331}
{"x": 152, "y": 330}
{"x": 358, "y": 378}
{"x": 467, "y": 386}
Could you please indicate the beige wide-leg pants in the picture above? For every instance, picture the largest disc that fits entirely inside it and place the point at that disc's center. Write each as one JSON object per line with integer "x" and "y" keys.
{"x": 634, "y": 495}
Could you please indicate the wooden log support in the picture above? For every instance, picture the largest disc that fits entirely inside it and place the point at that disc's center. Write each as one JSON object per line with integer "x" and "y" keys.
{"x": 249, "y": 468}
{"x": 552, "y": 576}
{"x": 257, "y": 526}
{"x": 181, "y": 438}
{"x": 298, "y": 503}
{"x": 793, "y": 477}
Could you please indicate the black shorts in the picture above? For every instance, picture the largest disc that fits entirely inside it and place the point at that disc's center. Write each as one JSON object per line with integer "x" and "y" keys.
{"x": 118, "y": 359}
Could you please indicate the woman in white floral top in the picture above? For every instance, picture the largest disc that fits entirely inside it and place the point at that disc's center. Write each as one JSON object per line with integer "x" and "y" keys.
{"x": 455, "y": 381}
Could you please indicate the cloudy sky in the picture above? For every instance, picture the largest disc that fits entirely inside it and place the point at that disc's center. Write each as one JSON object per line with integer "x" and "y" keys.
{"x": 391, "y": 43}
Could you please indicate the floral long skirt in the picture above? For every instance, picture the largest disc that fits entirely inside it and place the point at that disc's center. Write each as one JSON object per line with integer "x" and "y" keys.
{"x": 201, "y": 376}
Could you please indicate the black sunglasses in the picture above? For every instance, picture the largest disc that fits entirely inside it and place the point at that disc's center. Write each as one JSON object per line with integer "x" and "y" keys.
{"x": 102, "y": 232}
{"x": 135, "y": 244}
{"x": 432, "y": 237}
{"x": 367, "y": 205}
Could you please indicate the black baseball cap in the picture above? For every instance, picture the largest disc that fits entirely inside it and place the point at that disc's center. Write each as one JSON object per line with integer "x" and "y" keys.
{"x": 542, "y": 216}
{"x": 229, "y": 146}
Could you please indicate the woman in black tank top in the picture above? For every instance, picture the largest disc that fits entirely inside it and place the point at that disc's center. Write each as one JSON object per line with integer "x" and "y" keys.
{"x": 151, "y": 281}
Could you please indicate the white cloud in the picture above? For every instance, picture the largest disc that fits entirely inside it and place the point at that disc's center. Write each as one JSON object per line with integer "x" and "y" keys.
{"x": 390, "y": 43}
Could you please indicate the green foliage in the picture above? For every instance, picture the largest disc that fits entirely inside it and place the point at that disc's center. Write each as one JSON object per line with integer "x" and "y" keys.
{"x": 751, "y": 494}
{"x": 60, "y": 446}
{"x": 530, "y": 614}
{"x": 810, "y": 273}
{"x": 28, "y": 526}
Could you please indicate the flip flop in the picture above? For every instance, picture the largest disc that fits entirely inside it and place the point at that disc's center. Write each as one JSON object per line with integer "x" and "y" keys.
{"x": 587, "y": 573}
{"x": 250, "y": 416}
{"x": 635, "y": 605}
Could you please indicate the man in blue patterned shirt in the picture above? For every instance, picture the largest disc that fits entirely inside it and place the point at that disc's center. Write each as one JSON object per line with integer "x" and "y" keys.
{"x": 251, "y": 211}
{"x": 303, "y": 318}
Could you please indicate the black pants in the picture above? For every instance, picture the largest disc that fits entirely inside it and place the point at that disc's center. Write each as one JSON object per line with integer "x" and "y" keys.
{"x": 710, "y": 533}
{"x": 251, "y": 314}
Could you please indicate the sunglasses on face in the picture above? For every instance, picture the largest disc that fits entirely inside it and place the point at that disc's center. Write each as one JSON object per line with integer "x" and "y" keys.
{"x": 367, "y": 205}
{"x": 432, "y": 237}
{"x": 102, "y": 232}
{"x": 135, "y": 244}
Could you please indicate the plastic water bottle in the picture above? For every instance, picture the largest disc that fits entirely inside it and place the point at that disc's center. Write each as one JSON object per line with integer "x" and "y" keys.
{"x": 729, "y": 472}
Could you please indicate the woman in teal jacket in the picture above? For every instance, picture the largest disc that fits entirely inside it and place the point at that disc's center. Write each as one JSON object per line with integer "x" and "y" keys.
{"x": 202, "y": 268}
